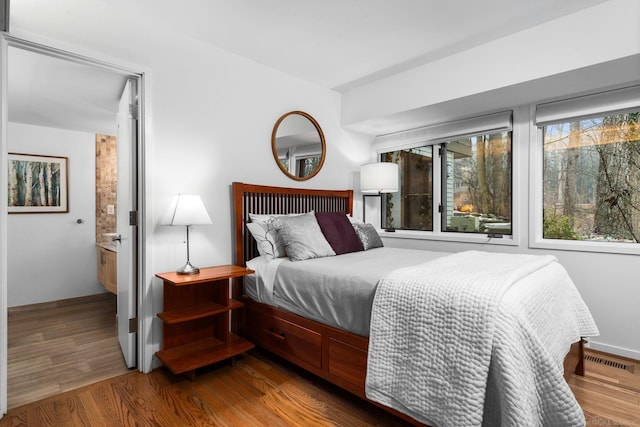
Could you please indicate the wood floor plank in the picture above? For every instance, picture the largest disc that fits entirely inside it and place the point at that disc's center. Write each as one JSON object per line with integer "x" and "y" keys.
{"x": 43, "y": 415}
{"x": 28, "y": 366}
{"x": 90, "y": 406}
{"x": 108, "y": 407}
{"x": 133, "y": 409}
{"x": 219, "y": 410}
{"x": 226, "y": 403}
{"x": 30, "y": 395}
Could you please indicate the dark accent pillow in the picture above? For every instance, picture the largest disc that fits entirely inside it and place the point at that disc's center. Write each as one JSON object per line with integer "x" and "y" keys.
{"x": 302, "y": 237}
{"x": 339, "y": 232}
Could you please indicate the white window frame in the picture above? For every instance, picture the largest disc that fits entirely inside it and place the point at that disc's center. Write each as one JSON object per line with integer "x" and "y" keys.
{"x": 435, "y": 135}
{"x": 610, "y": 103}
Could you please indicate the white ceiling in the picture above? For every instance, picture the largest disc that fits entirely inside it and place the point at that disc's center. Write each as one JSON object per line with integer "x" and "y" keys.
{"x": 337, "y": 44}
{"x": 52, "y": 92}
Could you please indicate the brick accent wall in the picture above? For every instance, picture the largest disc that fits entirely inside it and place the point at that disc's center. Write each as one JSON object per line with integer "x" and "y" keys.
{"x": 106, "y": 185}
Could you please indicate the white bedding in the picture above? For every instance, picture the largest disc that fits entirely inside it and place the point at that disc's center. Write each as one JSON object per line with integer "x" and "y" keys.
{"x": 476, "y": 339}
{"x": 337, "y": 290}
{"x": 259, "y": 286}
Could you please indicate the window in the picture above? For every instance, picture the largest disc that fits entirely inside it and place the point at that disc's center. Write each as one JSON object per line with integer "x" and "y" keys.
{"x": 587, "y": 173}
{"x": 306, "y": 165}
{"x": 477, "y": 184}
{"x": 455, "y": 178}
{"x": 591, "y": 179}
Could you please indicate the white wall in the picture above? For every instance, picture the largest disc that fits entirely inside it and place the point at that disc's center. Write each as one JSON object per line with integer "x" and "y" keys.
{"x": 51, "y": 256}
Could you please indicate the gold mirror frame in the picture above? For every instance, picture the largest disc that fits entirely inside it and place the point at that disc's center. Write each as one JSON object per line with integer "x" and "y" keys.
{"x": 274, "y": 148}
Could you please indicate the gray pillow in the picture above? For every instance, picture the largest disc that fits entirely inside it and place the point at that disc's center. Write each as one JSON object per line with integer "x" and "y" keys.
{"x": 302, "y": 237}
{"x": 368, "y": 235}
{"x": 269, "y": 243}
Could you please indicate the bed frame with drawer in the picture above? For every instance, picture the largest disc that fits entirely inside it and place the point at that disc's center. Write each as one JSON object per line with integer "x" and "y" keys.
{"x": 335, "y": 355}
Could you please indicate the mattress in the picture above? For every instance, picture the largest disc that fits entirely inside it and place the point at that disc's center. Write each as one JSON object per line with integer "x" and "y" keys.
{"x": 337, "y": 290}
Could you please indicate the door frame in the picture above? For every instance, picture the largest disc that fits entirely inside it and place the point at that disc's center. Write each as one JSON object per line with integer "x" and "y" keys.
{"x": 143, "y": 256}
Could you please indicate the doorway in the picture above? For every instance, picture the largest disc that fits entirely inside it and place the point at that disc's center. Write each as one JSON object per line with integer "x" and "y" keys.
{"x": 57, "y": 65}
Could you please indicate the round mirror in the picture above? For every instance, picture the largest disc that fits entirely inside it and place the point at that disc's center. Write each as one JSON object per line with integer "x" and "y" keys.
{"x": 298, "y": 146}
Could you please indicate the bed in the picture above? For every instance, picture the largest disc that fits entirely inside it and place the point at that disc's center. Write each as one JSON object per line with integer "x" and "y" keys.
{"x": 334, "y": 352}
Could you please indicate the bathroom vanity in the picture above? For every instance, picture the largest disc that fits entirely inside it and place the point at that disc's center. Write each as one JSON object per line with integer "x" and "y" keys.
{"x": 108, "y": 267}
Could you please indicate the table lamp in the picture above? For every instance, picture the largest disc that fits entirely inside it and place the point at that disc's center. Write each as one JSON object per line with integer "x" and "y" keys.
{"x": 187, "y": 210}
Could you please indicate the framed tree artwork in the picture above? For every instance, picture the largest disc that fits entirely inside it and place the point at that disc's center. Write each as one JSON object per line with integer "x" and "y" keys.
{"x": 38, "y": 184}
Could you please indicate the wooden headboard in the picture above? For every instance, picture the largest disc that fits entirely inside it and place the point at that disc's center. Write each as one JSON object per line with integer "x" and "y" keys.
{"x": 262, "y": 199}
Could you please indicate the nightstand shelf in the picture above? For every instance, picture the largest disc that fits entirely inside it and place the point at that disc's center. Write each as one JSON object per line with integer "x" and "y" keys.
{"x": 189, "y": 357}
{"x": 197, "y": 312}
{"x": 196, "y": 319}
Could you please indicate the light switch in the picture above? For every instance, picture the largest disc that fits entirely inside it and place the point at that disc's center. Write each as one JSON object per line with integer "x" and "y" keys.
{"x": 110, "y": 210}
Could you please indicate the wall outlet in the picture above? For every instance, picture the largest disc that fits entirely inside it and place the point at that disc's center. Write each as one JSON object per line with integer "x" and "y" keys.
{"x": 111, "y": 209}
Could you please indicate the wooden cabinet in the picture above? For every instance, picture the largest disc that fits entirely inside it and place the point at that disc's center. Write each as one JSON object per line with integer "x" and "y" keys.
{"x": 108, "y": 269}
{"x": 196, "y": 319}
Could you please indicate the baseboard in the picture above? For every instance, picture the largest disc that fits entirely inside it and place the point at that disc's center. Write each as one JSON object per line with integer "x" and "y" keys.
{"x": 612, "y": 349}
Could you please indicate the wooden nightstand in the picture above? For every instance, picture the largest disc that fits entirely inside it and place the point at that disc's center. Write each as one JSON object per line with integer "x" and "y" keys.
{"x": 196, "y": 319}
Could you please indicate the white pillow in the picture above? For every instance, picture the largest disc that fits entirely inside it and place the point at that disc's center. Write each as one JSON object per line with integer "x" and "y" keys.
{"x": 302, "y": 237}
{"x": 260, "y": 217}
{"x": 267, "y": 217}
{"x": 270, "y": 245}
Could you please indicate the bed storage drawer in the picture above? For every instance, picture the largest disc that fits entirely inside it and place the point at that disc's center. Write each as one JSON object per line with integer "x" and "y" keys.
{"x": 286, "y": 339}
{"x": 347, "y": 362}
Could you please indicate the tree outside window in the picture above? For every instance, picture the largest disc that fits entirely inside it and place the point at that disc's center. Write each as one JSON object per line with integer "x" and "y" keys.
{"x": 477, "y": 190}
{"x": 591, "y": 174}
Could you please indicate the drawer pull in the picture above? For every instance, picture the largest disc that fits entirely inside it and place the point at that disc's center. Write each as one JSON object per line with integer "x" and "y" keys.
{"x": 281, "y": 336}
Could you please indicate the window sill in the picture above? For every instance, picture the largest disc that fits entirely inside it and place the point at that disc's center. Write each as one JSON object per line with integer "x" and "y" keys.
{"x": 586, "y": 246}
{"x": 449, "y": 237}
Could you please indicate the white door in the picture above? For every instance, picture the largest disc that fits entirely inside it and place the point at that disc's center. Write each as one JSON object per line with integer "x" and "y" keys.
{"x": 127, "y": 234}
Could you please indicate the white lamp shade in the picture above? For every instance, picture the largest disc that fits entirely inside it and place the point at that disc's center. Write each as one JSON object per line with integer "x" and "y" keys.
{"x": 186, "y": 209}
{"x": 379, "y": 177}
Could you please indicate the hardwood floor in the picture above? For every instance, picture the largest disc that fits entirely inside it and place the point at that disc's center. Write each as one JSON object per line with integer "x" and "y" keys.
{"x": 609, "y": 393}
{"x": 262, "y": 390}
{"x": 259, "y": 390}
{"x": 61, "y": 345}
